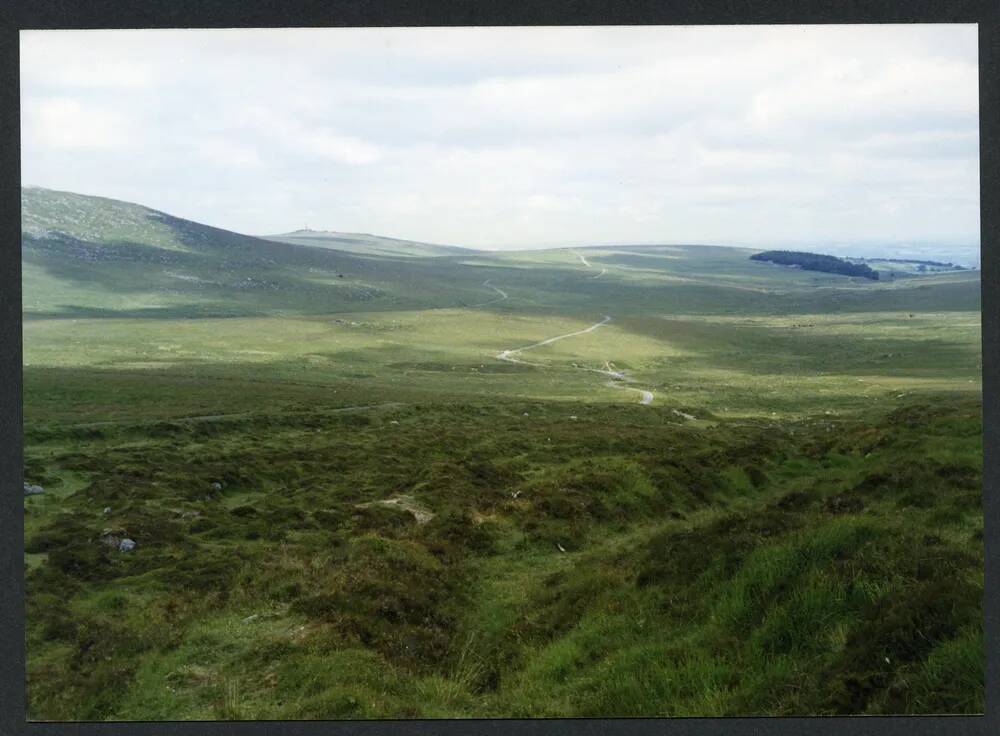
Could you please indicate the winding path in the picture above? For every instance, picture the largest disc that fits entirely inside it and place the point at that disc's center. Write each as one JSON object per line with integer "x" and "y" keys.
{"x": 508, "y": 355}
{"x": 501, "y": 292}
{"x": 618, "y": 378}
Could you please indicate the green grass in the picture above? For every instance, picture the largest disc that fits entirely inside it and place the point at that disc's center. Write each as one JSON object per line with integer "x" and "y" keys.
{"x": 638, "y": 570}
{"x": 809, "y": 543}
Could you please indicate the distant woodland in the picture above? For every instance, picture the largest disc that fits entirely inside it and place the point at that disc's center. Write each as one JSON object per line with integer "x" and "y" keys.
{"x": 816, "y": 262}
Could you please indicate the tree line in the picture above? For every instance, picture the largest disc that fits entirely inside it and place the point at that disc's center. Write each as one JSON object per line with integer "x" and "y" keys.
{"x": 816, "y": 262}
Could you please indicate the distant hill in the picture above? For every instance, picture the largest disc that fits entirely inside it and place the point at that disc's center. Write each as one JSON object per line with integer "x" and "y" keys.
{"x": 85, "y": 256}
{"x": 94, "y": 256}
{"x": 363, "y": 243}
{"x": 908, "y": 266}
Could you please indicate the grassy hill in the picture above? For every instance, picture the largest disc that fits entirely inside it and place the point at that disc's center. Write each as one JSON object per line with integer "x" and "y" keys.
{"x": 94, "y": 256}
{"x": 90, "y": 256}
{"x": 366, "y": 244}
{"x": 379, "y": 480}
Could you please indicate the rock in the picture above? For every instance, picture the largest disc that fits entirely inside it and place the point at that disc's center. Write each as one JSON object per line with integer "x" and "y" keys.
{"x": 126, "y": 545}
{"x": 32, "y": 490}
{"x": 107, "y": 509}
{"x": 113, "y": 536}
{"x": 216, "y": 485}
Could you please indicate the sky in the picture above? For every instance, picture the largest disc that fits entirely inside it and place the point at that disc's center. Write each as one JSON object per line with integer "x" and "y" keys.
{"x": 846, "y": 136}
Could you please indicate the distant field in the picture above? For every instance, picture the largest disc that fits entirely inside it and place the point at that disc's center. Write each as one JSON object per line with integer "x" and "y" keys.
{"x": 793, "y": 525}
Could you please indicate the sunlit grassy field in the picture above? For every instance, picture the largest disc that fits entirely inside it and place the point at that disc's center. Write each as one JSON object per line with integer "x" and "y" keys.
{"x": 347, "y": 505}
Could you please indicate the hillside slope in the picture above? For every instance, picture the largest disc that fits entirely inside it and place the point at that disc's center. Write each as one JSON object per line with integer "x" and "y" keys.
{"x": 366, "y": 244}
{"x": 97, "y": 257}
{"x": 383, "y": 485}
{"x": 92, "y": 256}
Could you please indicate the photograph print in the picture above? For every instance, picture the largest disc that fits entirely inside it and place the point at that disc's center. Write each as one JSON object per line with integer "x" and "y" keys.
{"x": 482, "y": 372}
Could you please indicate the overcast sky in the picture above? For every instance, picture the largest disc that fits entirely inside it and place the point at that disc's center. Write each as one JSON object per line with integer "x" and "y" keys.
{"x": 522, "y": 136}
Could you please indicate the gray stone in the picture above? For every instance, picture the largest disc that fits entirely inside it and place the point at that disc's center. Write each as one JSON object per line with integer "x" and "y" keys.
{"x": 107, "y": 509}
{"x": 32, "y": 490}
{"x": 112, "y": 537}
{"x": 126, "y": 545}
{"x": 216, "y": 485}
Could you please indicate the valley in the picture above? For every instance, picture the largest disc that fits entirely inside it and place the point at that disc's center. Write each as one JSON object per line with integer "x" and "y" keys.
{"x": 376, "y": 478}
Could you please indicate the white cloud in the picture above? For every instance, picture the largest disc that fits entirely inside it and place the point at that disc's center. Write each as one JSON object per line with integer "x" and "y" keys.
{"x": 229, "y": 153}
{"x": 520, "y": 135}
{"x": 61, "y": 59}
{"x": 67, "y": 123}
{"x": 346, "y": 149}
{"x": 282, "y": 130}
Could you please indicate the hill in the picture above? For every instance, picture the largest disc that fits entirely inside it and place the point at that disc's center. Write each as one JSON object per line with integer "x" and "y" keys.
{"x": 93, "y": 256}
{"x": 366, "y": 244}
{"x": 611, "y": 481}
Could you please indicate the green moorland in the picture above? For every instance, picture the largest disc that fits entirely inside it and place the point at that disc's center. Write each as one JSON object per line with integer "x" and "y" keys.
{"x": 349, "y": 501}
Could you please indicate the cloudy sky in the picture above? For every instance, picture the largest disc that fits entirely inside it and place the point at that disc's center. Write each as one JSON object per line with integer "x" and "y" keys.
{"x": 522, "y": 136}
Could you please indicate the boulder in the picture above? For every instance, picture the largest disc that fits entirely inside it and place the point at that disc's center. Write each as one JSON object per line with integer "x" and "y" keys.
{"x": 126, "y": 545}
{"x": 32, "y": 490}
{"x": 112, "y": 537}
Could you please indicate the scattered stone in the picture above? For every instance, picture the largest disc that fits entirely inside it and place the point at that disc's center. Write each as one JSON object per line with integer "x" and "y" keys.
{"x": 216, "y": 485}
{"x": 393, "y": 422}
{"x": 112, "y": 537}
{"x": 126, "y": 545}
{"x": 32, "y": 490}
{"x": 107, "y": 509}
{"x": 561, "y": 548}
